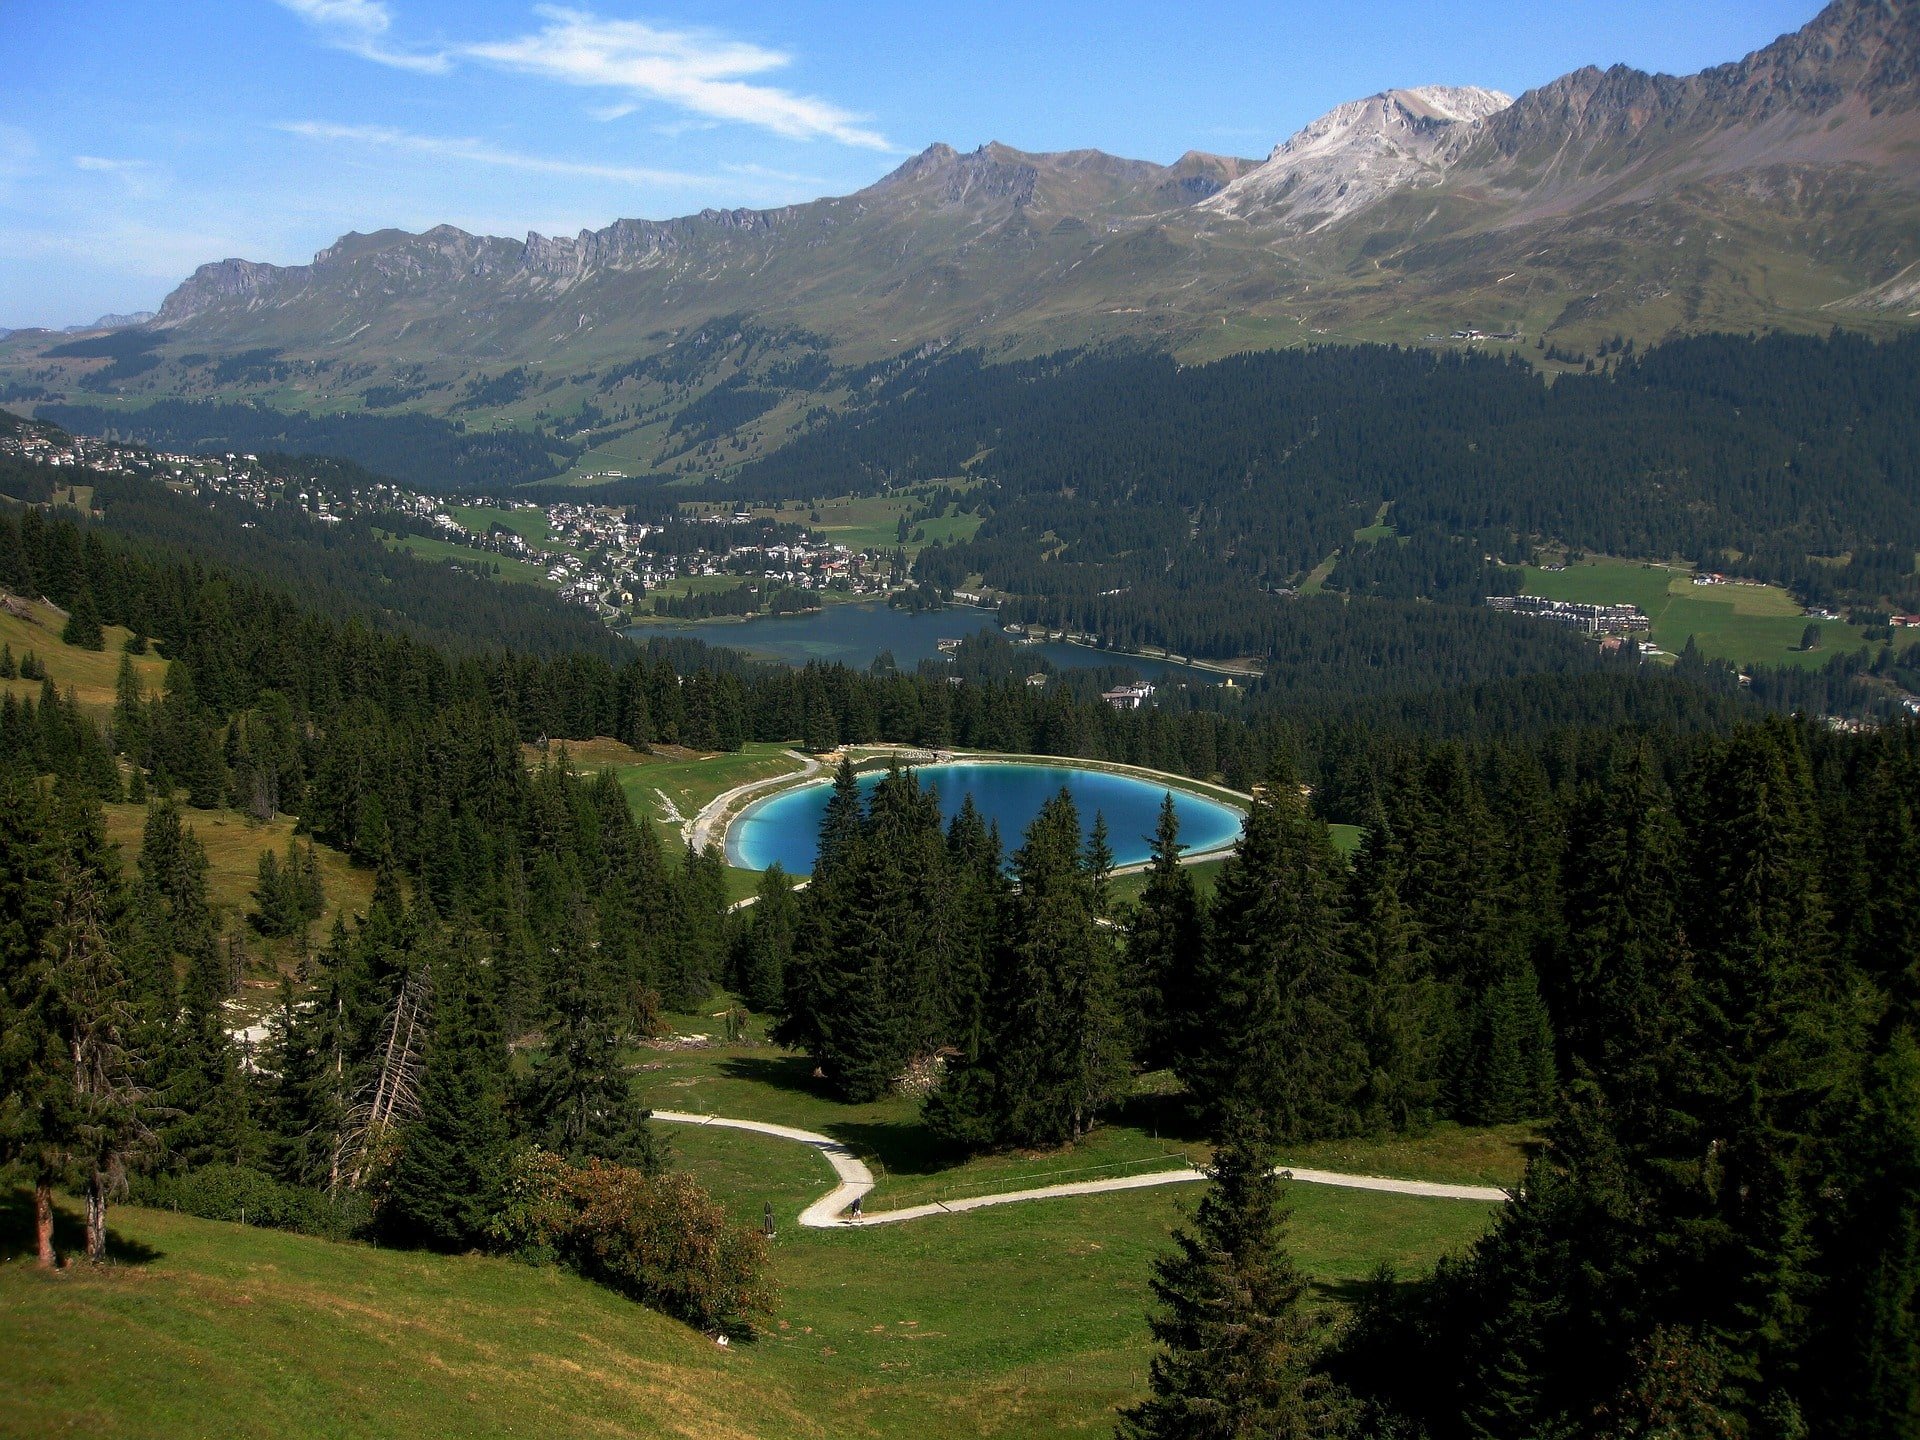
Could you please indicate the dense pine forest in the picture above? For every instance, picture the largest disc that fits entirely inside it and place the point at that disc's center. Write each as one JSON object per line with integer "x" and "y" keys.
{"x": 1155, "y": 504}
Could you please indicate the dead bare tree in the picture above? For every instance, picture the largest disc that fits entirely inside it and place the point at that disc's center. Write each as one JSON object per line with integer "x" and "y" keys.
{"x": 391, "y": 1096}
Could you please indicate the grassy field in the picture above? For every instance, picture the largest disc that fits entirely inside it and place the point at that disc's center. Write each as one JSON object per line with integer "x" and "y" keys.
{"x": 1026, "y": 1321}
{"x": 1376, "y": 529}
{"x": 687, "y": 784}
{"x": 223, "y": 1330}
{"x": 1747, "y": 624}
{"x": 529, "y": 525}
{"x": 90, "y": 674}
{"x": 767, "y": 1082}
{"x": 424, "y": 547}
{"x": 234, "y": 843}
{"x": 1022, "y": 1321}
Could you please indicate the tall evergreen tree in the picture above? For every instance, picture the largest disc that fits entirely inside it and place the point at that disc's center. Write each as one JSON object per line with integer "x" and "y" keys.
{"x": 445, "y": 1182}
{"x": 578, "y": 1100}
{"x": 1863, "y": 1373}
{"x": 107, "y": 1131}
{"x": 36, "y": 1082}
{"x": 1053, "y": 1052}
{"x": 1275, "y": 1037}
{"x": 1401, "y": 1011}
{"x": 1164, "y": 936}
{"x": 1236, "y": 1342}
{"x": 768, "y": 943}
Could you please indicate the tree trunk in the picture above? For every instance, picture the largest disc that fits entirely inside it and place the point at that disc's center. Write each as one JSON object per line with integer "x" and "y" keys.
{"x": 43, "y": 1223}
{"x": 97, "y": 1221}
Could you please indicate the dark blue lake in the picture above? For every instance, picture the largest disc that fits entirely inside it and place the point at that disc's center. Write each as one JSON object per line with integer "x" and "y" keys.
{"x": 785, "y": 828}
{"x": 853, "y": 634}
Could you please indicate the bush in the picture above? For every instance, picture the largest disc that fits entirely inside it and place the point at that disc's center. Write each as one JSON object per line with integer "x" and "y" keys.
{"x": 657, "y": 1239}
{"x": 246, "y": 1196}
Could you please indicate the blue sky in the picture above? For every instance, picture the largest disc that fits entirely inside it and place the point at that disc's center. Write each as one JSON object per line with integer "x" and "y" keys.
{"x": 139, "y": 138}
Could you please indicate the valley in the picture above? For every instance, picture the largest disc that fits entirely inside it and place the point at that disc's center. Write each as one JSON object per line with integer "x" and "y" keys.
{"x": 1009, "y": 792}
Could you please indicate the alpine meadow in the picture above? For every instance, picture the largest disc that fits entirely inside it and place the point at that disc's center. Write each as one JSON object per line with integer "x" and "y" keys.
{"x": 960, "y": 792}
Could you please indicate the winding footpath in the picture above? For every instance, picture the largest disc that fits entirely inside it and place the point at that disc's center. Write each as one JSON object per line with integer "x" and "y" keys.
{"x": 856, "y": 1180}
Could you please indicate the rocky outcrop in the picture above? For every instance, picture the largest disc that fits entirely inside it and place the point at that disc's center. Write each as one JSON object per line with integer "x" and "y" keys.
{"x": 1355, "y": 154}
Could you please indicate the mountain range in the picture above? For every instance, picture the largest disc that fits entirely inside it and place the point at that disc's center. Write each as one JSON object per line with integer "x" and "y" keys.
{"x": 1781, "y": 190}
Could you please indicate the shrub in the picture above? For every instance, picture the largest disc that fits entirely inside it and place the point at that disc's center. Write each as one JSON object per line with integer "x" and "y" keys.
{"x": 241, "y": 1194}
{"x": 658, "y": 1239}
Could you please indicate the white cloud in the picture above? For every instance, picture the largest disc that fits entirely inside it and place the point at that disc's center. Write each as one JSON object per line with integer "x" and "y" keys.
{"x": 360, "y": 27}
{"x": 480, "y": 152}
{"x": 103, "y": 165}
{"x": 697, "y": 71}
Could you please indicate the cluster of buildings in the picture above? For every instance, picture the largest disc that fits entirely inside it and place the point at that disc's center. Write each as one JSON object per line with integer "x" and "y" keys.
{"x": 597, "y": 557}
{"x": 592, "y": 554}
{"x": 1593, "y": 619}
{"x": 1128, "y": 697}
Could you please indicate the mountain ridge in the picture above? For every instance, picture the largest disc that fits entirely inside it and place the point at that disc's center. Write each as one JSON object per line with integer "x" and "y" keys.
{"x": 1778, "y": 190}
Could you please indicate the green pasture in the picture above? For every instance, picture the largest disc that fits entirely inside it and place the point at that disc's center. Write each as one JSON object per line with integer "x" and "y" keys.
{"x": 1746, "y": 624}
{"x": 425, "y": 547}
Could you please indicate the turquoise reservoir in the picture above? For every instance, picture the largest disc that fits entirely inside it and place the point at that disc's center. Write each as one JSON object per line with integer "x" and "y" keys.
{"x": 785, "y": 828}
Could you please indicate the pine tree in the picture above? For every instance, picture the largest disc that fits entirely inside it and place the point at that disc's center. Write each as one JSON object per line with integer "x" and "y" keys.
{"x": 1511, "y": 1075}
{"x": 36, "y": 1082}
{"x": 107, "y": 1130}
{"x": 82, "y": 629}
{"x": 1626, "y": 979}
{"x": 1275, "y": 1037}
{"x": 1773, "y": 1037}
{"x": 1053, "y": 1054}
{"x": 446, "y": 1180}
{"x": 1236, "y": 1343}
{"x": 1864, "y": 1371}
{"x": 978, "y": 895}
{"x": 1400, "y": 1013}
{"x": 578, "y": 1101}
{"x": 1165, "y": 935}
{"x": 769, "y": 941}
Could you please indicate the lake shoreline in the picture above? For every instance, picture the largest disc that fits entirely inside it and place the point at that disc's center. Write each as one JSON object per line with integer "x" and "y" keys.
{"x": 871, "y": 760}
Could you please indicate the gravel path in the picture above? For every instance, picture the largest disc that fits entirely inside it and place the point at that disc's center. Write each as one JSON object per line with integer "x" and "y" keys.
{"x": 700, "y": 830}
{"x": 828, "y": 1212}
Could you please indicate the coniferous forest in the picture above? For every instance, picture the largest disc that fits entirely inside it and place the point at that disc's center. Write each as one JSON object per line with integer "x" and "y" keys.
{"x": 1666, "y": 915}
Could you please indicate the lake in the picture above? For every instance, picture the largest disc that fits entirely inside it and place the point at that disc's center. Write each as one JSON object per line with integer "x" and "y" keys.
{"x": 785, "y": 828}
{"x": 853, "y": 634}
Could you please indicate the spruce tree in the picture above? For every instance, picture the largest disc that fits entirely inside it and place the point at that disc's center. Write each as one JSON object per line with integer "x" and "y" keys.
{"x": 1236, "y": 1343}
{"x": 107, "y": 1131}
{"x": 769, "y": 941}
{"x": 1864, "y": 1369}
{"x": 1774, "y": 1044}
{"x": 1400, "y": 1009}
{"x": 578, "y": 1100}
{"x": 445, "y": 1182}
{"x": 1165, "y": 935}
{"x": 82, "y": 629}
{"x": 1053, "y": 1054}
{"x": 35, "y": 1067}
{"x": 1626, "y": 980}
{"x": 1274, "y": 1036}
{"x": 978, "y": 886}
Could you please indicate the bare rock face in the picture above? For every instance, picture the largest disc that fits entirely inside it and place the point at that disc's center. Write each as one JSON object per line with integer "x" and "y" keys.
{"x": 1355, "y": 154}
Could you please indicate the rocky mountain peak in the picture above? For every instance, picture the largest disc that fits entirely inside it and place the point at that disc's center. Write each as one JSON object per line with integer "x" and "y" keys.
{"x": 1355, "y": 154}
